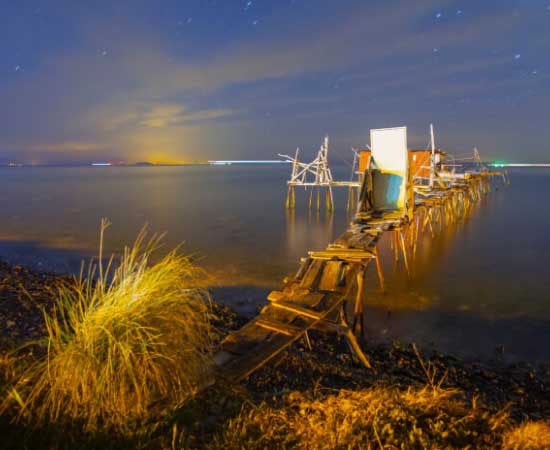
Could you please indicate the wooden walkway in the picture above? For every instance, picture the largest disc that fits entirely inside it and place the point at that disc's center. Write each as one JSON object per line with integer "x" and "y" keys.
{"x": 316, "y": 297}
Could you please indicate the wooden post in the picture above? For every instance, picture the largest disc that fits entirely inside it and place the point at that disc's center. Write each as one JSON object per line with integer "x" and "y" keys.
{"x": 379, "y": 269}
{"x": 415, "y": 238}
{"x": 307, "y": 341}
{"x": 358, "y": 315}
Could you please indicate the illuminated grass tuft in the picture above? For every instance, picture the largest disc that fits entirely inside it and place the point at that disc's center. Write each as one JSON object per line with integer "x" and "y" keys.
{"x": 528, "y": 436}
{"x": 117, "y": 342}
{"x": 382, "y": 417}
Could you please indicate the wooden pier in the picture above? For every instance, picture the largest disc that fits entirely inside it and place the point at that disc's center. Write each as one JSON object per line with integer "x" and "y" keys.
{"x": 328, "y": 283}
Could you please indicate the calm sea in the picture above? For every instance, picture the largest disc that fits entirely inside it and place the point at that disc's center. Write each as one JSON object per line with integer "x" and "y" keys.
{"x": 481, "y": 288}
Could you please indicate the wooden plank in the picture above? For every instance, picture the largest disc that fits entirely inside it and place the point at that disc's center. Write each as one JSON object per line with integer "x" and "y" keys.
{"x": 303, "y": 268}
{"x": 344, "y": 254}
{"x": 239, "y": 368}
{"x": 267, "y": 349}
{"x": 311, "y": 278}
{"x": 243, "y": 340}
{"x": 277, "y": 326}
{"x": 295, "y": 308}
{"x": 275, "y": 296}
{"x": 330, "y": 279}
{"x": 311, "y": 299}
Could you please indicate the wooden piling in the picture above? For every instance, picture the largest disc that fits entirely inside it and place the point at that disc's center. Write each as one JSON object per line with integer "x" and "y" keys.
{"x": 379, "y": 270}
{"x": 358, "y": 314}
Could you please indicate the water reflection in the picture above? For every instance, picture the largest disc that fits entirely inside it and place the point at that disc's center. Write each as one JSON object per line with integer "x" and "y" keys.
{"x": 311, "y": 229}
{"x": 493, "y": 266}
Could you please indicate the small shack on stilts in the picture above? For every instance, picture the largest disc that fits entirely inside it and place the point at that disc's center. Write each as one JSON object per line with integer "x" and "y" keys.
{"x": 314, "y": 176}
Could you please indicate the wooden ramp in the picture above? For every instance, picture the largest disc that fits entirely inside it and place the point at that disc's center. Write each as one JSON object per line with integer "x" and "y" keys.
{"x": 313, "y": 298}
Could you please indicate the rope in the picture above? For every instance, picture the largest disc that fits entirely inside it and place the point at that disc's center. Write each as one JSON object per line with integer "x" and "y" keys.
{"x": 342, "y": 158}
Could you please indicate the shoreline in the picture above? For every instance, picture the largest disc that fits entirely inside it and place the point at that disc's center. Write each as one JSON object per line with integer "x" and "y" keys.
{"x": 522, "y": 388}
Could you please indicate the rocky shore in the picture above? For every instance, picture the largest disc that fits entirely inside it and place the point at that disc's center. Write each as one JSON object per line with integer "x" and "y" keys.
{"x": 23, "y": 295}
{"x": 523, "y": 389}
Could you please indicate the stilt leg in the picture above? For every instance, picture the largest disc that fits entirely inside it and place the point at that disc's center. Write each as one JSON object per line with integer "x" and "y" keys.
{"x": 358, "y": 312}
{"x": 379, "y": 270}
{"x": 356, "y": 348}
{"x": 351, "y": 340}
{"x": 307, "y": 341}
{"x": 415, "y": 238}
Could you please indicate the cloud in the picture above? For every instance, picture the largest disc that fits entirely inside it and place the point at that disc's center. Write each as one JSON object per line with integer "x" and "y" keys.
{"x": 143, "y": 96}
{"x": 64, "y": 147}
{"x": 153, "y": 115}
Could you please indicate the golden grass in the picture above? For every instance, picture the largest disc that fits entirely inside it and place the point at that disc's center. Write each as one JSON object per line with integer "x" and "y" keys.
{"x": 528, "y": 436}
{"x": 382, "y": 417}
{"x": 367, "y": 419}
{"x": 120, "y": 341}
{"x": 8, "y": 372}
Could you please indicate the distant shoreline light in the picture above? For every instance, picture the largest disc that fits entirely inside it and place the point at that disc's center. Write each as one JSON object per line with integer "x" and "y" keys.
{"x": 260, "y": 161}
{"x": 102, "y": 164}
{"x": 498, "y": 164}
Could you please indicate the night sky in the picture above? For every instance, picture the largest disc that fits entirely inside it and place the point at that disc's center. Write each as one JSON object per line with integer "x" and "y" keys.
{"x": 83, "y": 81}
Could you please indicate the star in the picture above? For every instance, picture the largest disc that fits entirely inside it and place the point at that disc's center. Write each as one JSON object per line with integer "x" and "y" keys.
{"x": 17, "y": 68}
{"x": 534, "y": 72}
{"x": 255, "y": 23}
{"x": 104, "y": 53}
{"x": 458, "y": 12}
{"x": 439, "y": 15}
{"x": 435, "y": 50}
{"x": 517, "y": 56}
{"x": 248, "y": 5}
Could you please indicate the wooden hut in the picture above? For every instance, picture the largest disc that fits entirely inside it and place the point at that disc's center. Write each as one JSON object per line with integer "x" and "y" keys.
{"x": 419, "y": 163}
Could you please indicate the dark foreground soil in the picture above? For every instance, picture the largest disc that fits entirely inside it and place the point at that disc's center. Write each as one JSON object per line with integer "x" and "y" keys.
{"x": 522, "y": 388}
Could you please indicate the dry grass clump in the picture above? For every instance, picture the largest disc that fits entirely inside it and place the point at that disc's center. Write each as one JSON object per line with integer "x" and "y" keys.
{"x": 375, "y": 418}
{"x": 120, "y": 341}
{"x": 528, "y": 436}
{"x": 8, "y": 372}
